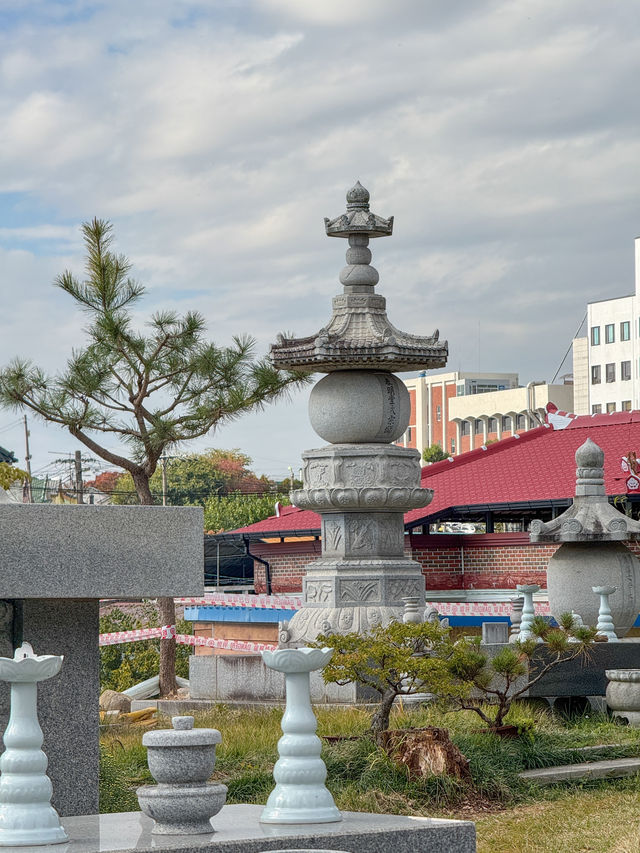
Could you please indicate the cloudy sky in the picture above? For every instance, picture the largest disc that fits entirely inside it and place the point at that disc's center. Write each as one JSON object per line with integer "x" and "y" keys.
{"x": 503, "y": 136}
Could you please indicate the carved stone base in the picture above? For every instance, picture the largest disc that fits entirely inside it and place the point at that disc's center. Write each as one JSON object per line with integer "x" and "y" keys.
{"x": 308, "y": 622}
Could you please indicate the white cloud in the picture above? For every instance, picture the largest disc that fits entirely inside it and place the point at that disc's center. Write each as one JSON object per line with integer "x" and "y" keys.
{"x": 217, "y": 136}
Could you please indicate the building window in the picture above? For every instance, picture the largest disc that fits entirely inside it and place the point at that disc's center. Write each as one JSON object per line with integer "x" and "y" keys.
{"x": 596, "y": 409}
{"x": 506, "y": 422}
{"x": 626, "y": 405}
{"x": 465, "y": 428}
{"x": 438, "y": 413}
{"x": 521, "y": 422}
{"x": 493, "y": 425}
{"x": 409, "y": 433}
{"x": 610, "y": 372}
{"x": 625, "y": 330}
{"x": 478, "y": 426}
{"x": 611, "y": 407}
{"x": 453, "y": 446}
{"x": 595, "y": 374}
{"x": 610, "y": 333}
{"x": 595, "y": 336}
{"x": 625, "y": 370}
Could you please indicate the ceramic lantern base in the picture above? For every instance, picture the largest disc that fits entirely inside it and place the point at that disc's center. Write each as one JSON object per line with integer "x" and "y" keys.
{"x": 23, "y": 837}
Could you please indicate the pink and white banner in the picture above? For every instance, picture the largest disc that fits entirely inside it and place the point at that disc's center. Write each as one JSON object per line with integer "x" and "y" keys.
{"x": 132, "y": 636}
{"x": 264, "y": 602}
{"x": 230, "y": 645}
{"x": 482, "y": 608}
{"x": 169, "y": 632}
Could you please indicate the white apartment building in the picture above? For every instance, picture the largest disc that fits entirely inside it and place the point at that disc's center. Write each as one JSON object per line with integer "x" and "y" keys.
{"x": 462, "y": 411}
{"x": 606, "y": 364}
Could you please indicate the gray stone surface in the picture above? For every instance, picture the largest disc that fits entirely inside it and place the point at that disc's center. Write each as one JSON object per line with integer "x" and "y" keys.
{"x": 592, "y": 554}
{"x": 245, "y": 678}
{"x": 179, "y": 810}
{"x": 495, "y": 632}
{"x": 359, "y": 405}
{"x": 68, "y": 703}
{"x": 362, "y": 486}
{"x": 612, "y": 768}
{"x": 362, "y": 492}
{"x": 100, "y": 551}
{"x": 236, "y": 830}
{"x": 584, "y": 676}
{"x": 181, "y": 755}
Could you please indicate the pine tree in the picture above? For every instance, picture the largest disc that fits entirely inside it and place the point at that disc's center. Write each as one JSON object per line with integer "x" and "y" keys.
{"x": 152, "y": 389}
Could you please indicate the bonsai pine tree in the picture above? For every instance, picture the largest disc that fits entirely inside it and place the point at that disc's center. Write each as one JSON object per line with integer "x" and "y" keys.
{"x": 150, "y": 389}
{"x": 493, "y": 684}
{"x": 397, "y": 660}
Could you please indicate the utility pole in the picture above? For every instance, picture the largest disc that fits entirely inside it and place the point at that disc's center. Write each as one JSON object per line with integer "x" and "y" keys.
{"x": 27, "y": 459}
{"x": 79, "y": 495}
{"x": 163, "y": 460}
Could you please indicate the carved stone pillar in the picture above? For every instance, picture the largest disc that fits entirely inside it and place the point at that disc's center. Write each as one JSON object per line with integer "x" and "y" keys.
{"x": 361, "y": 484}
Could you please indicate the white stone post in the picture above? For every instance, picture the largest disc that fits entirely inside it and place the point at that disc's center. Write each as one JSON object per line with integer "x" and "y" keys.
{"x": 517, "y": 603}
{"x": 528, "y": 611}
{"x": 605, "y": 624}
{"x": 300, "y": 795}
{"x": 26, "y": 814}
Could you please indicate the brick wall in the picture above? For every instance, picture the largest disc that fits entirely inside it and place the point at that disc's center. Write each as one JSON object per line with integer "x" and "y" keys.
{"x": 287, "y": 561}
{"x": 481, "y": 561}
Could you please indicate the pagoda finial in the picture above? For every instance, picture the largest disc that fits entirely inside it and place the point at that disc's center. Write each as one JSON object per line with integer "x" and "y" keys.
{"x": 358, "y": 197}
{"x": 358, "y": 219}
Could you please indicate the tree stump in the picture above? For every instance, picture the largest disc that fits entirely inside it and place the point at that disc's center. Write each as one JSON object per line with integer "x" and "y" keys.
{"x": 426, "y": 752}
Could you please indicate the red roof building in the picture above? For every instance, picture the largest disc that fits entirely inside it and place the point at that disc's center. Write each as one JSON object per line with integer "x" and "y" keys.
{"x": 509, "y": 482}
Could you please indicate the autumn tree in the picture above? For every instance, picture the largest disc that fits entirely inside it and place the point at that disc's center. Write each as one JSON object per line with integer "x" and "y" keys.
{"x": 150, "y": 388}
{"x": 195, "y": 478}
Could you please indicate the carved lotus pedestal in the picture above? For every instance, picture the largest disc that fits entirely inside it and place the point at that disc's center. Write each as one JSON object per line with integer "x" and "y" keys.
{"x": 362, "y": 493}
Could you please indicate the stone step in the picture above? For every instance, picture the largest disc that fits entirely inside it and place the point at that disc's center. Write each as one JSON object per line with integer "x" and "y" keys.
{"x": 612, "y": 768}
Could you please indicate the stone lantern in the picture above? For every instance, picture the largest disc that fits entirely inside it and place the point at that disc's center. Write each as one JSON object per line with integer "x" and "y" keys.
{"x": 361, "y": 484}
{"x": 592, "y": 553}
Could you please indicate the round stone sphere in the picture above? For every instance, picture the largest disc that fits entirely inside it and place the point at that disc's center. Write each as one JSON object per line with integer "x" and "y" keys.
{"x": 359, "y": 407}
{"x": 576, "y": 567}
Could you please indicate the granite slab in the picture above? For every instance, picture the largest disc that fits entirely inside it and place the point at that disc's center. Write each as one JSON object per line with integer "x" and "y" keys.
{"x": 100, "y": 551}
{"x": 236, "y": 829}
{"x": 612, "y": 768}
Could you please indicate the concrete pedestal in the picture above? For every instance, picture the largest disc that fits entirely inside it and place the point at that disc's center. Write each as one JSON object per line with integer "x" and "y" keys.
{"x": 236, "y": 830}
{"x": 56, "y": 562}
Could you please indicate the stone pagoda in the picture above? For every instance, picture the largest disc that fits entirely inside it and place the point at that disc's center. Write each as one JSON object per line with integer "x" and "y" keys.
{"x": 592, "y": 553}
{"x": 360, "y": 483}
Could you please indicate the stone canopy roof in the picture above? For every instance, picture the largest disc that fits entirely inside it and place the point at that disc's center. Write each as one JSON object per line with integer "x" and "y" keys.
{"x": 359, "y": 334}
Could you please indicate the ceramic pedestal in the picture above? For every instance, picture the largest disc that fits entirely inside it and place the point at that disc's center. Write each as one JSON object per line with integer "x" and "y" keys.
{"x": 26, "y": 814}
{"x": 300, "y": 795}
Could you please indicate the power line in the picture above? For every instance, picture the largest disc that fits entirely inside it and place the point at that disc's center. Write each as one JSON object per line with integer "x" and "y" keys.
{"x": 569, "y": 349}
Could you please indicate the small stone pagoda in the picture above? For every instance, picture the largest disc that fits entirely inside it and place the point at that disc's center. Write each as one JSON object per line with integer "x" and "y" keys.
{"x": 361, "y": 484}
{"x": 592, "y": 553}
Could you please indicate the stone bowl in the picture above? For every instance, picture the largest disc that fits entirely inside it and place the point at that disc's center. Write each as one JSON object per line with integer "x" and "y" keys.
{"x": 181, "y": 765}
{"x": 181, "y": 755}
{"x": 182, "y": 810}
{"x": 623, "y": 689}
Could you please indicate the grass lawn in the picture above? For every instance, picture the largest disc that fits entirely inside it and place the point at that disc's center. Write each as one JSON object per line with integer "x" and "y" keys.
{"x": 511, "y": 815}
{"x": 601, "y": 820}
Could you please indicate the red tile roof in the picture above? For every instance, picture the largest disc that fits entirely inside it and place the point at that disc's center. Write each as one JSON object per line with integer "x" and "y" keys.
{"x": 536, "y": 466}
